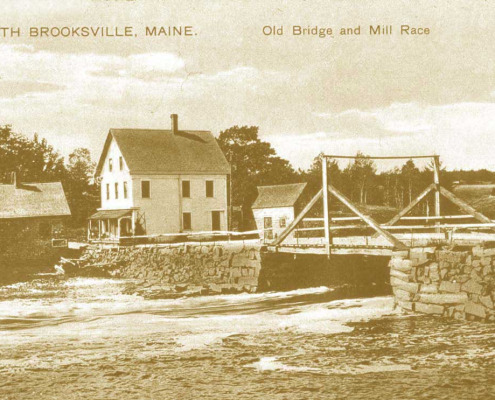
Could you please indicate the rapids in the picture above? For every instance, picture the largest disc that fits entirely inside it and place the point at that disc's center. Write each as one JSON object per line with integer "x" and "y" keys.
{"x": 86, "y": 338}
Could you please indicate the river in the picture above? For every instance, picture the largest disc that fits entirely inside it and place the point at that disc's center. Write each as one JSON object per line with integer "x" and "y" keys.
{"x": 83, "y": 338}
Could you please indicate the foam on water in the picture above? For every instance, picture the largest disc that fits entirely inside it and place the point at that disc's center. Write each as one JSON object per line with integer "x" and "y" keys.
{"x": 90, "y": 308}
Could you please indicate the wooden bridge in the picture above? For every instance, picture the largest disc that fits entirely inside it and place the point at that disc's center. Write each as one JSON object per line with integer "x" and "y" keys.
{"x": 362, "y": 234}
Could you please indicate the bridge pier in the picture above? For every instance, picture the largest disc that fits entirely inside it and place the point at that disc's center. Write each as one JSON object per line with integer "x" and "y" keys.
{"x": 458, "y": 283}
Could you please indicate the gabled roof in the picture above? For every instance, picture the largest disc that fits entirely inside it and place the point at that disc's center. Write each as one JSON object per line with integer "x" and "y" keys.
{"x": 33, "y": 200}
{"x": 278, "y": 195}
{"x": 150, "y": 151}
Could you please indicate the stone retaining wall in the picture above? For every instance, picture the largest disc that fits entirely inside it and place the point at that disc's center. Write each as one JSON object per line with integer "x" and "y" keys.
{"x": 217, "y": 268}
{"x": 457, "y": 283}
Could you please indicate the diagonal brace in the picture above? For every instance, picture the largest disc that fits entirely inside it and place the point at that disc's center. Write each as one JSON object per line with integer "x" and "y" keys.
{"x": 298, "y": 219}
{"x": 370, "y": 221}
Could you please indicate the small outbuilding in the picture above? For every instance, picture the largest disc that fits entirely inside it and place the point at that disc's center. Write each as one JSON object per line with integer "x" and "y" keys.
{"x": 32, "y": 215}
{"x": 276, "y": 207}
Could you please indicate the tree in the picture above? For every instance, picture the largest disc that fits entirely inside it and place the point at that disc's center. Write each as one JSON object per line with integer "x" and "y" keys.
{"x": 34, "y": 160}
{"x": 253, "y": 163}
{"x": 360, "y": 173}
{"x": 82, "y": 193}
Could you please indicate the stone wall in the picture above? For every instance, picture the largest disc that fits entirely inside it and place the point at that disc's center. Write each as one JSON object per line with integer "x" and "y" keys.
{"x": 204, "y": 268}
{"x": 457, "y": 283}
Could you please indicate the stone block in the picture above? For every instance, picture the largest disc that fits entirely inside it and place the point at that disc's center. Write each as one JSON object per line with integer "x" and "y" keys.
{"x": 399, "y": 275}
{"x": 428, "y": 308}
{"x": 405, "y": 305}
{"x": 402, "y": 295}
{"x": 486, "y": 301}
{"x": 430, "y": 288}
{"x": 443, "y": 298}
{"x": 477, "y": 251}
{"x": 248, "y": 280}
{"x": 450, "y": 287}
{"x": 239, "y": 261}
{"x": 472, "y": 286}
{"x": 489, "y": 252}
{"x": 485, "y": 261}
{"x": 475, "y": 309}
{"x": 476, "y": 263}
{"x": 406, "y": 286}
{"x": 401, "y": 265}
{"x": 487, "y": 270}
{"x": 419, "y": 258}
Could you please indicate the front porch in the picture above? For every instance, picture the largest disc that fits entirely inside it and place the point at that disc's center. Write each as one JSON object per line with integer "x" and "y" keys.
{"x": 111, "y": 225}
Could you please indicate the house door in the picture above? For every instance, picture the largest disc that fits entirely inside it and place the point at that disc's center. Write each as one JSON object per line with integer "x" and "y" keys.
{"x": 215, "y": 220}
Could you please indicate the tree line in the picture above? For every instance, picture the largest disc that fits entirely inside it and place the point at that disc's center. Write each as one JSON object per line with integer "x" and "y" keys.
{"x": 254, "y": 163}
{"x": 34, "y": 160}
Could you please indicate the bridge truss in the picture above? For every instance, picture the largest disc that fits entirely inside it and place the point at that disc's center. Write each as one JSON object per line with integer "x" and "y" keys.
{"x": 395, "y": 241}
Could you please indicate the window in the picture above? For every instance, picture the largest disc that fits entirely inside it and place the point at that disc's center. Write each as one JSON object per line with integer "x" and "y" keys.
{"x": 186, "y": 189}
{"x": 186, "y": 221}
{"x": 283, "y": 222}
{"x": 145, "y": 189}
{"x": 108, "y": 191}
{"x": 110, "y": 164}
{"x": 116, "y": 190}
{"x": 121, "y": 163}
{"x": 267, "y": 225}
{"x": 125, "y": 190}
{"x": 209, "y": 188}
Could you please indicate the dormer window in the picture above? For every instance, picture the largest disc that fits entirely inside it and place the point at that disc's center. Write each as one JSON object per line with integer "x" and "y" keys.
{"x": 110, "y": 164}
{"x": 121, "y": 163}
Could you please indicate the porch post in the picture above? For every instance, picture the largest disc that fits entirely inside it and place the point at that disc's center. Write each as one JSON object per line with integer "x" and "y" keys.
{"x": 118, "y": 228}
{"x": 133, "y": 222}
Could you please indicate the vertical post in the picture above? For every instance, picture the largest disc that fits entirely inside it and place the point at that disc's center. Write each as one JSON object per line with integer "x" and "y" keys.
{"x": 133, "y": 222}
{"x": 325, "y": 203}
{"x": 89, "y": 230}
{"x": 436, "y": 180}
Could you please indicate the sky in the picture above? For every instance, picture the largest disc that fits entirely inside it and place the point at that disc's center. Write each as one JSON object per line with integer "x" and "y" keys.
{"x": 382, "y": 95}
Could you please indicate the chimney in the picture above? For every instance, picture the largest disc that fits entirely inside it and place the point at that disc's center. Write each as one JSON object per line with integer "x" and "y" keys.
{"x": 175, "y": 123}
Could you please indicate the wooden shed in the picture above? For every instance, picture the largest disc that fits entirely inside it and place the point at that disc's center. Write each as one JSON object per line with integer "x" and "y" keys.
{"x": 276, "y": 207}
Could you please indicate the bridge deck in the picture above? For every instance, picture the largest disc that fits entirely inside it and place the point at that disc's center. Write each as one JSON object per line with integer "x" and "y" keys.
{"x": 369, "y": 245}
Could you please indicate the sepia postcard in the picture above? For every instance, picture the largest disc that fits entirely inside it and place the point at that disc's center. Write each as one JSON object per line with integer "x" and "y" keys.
{"x": 234, "y": 199}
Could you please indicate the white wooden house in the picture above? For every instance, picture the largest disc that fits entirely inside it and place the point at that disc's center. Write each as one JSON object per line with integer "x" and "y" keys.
{"x": 160, "y": 181}
{"x": 276, "y": 207}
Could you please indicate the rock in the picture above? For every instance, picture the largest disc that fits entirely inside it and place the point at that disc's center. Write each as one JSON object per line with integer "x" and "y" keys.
{"x": 428, "y": 308}
{"x": 475, "y": 309}
{"x": 430, "y": 288}
{"x": 247, "y": 280}
{"x": 486, "y": 301}
{"x": 487, "y": 270}
{"x": 406, "y": 286}
{"x": 472, "y": 286}
{"x": 443, "y": 298}
{"x": 405, "y": 305}
{"x": 399, "y": 275}
{"x": 401, "y": 265}
{"x": 402, "y": 294}
{"x": 450, "y": 287}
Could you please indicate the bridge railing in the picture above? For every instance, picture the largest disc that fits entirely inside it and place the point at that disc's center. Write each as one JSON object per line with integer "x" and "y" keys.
{"x": 331, "y": 226}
